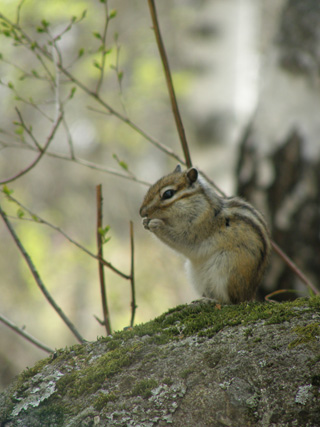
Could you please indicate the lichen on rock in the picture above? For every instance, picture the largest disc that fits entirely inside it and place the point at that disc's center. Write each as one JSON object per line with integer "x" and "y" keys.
{"x": 254, "y": 364}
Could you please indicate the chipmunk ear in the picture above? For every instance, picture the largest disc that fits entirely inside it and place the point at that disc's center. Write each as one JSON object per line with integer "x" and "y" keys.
{"x": 177, "y": 169}
{"x": 192, "y": 175}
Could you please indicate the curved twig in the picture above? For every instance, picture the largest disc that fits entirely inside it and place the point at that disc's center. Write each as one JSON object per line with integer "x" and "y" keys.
{"x": 40, "y": 155}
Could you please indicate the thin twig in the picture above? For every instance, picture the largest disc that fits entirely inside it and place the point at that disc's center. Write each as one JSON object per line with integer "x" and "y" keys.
{"x": 40, "y": 220}
{"x": 103, "y": 47}
{"x": 132, "y": 281}
{"x": 38, "y": 50}
{"x": 278, "y": 292}
{"x": 69, "y": 139}
{"x": 295, "y": 268}
{"x": 173, "y": 99}
{"x": 19, "y": 11}
{"x": 25, "y": 335}
{"x": 78, "y": 161}
{"x": 25, "y": 127}
{"x": 127, "y": 121}
{"x": 103, "y": 292}
{"x": 37, "y": 278}
{"x": 40, "y": 155}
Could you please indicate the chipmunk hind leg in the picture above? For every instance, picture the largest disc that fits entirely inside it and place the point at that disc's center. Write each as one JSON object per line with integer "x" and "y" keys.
{"x": 243, "y": 282}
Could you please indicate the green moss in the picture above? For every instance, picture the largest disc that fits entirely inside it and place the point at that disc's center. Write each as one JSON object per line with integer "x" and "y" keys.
{"x": 306, "y": 334}
{"x": 90, "y": 379}
{"x": 103, "y": 399}
{"x": 143, "y": 388}
{"x": 31, "y": 372}
{"x": 186, "y": 372}
{"x": 85, "y": 373}
{"x": 168, "y": 381}
{"x": 207, "y": 319}
{"x": 52, "y": 414}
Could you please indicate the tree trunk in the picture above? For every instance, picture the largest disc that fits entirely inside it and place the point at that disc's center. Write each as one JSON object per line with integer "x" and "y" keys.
{"x": 279, "y": 162}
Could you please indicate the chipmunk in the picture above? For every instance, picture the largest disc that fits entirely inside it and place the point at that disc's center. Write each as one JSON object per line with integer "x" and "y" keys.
{"x": 225, "y": 240}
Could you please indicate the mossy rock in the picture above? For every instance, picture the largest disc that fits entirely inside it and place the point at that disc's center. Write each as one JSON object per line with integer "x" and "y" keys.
{"x": 254, "y": 364}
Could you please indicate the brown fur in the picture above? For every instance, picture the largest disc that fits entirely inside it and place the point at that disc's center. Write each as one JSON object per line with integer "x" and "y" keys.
{"x": 225, "y": 240}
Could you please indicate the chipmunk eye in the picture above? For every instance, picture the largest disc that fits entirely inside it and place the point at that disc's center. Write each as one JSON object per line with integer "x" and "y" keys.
{"x": 167, "y": 194}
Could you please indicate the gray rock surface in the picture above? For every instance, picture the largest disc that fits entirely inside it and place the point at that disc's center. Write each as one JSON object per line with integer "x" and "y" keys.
{"x": 197, "y": 365}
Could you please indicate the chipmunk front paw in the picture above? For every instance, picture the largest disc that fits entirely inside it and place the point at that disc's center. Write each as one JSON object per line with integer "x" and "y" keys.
{"x": 152, "y": 224}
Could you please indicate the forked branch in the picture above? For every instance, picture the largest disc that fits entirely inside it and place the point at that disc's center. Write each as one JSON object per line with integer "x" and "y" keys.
{"x": 41, "y": 152}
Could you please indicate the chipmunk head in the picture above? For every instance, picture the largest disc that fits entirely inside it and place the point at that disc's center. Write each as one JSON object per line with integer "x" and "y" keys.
{"x": 168, "y": 192}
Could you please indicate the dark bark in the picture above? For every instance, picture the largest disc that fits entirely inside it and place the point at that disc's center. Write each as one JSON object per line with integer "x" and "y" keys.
{"x": 290, "y": 196}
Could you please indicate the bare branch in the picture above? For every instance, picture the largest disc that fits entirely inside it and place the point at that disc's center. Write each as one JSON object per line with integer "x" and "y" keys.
{"x": 103, "y": 291}
{"x": 19, "y": 11}
{"x": 132, "y": 280}
{"x": 38, "y": 280}
{"x": 25, "y": 127}
{"x": 79, "y": 161}
{"x": 39, "y": 50}
{"x": 42, "y": 152}
{"x": 167, "y": 72}
{"x": 295, "y": 268}
{"x": 103, "y": 48}
{"x": 25, "y": 335}
{"x": 40, "y": 220}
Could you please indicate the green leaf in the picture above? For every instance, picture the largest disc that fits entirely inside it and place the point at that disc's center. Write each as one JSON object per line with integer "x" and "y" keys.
{"x": 103, "y": 233}
{"x": 108, "y": 51}
{"x": 20, "y": 213}
{"x": 45, "y": 23}
{"x": 10, "y": 85}
{"x": 73, "y": 91}
{"x": 84, "y": 13}
{"x": 97, "y": 65}
{"x": 120, "y": 75}
{"x": 97, "y": 35}
{"x": 19, "y": 130}
{"x": 81, "y": 52}
{"x": 112, "y": 14}
{"x": 121, "y": 163}
{"x": 6, "y": 190}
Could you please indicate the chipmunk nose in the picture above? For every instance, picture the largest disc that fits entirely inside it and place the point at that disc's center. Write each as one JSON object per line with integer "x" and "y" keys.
{"x": 143, "y": 211}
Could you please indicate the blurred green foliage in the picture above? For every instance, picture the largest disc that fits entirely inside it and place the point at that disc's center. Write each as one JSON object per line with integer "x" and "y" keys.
{"x": 122, "y": 69}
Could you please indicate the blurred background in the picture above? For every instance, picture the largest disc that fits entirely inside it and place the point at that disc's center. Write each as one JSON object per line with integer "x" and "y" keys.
{"x": 246, "y": 75}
